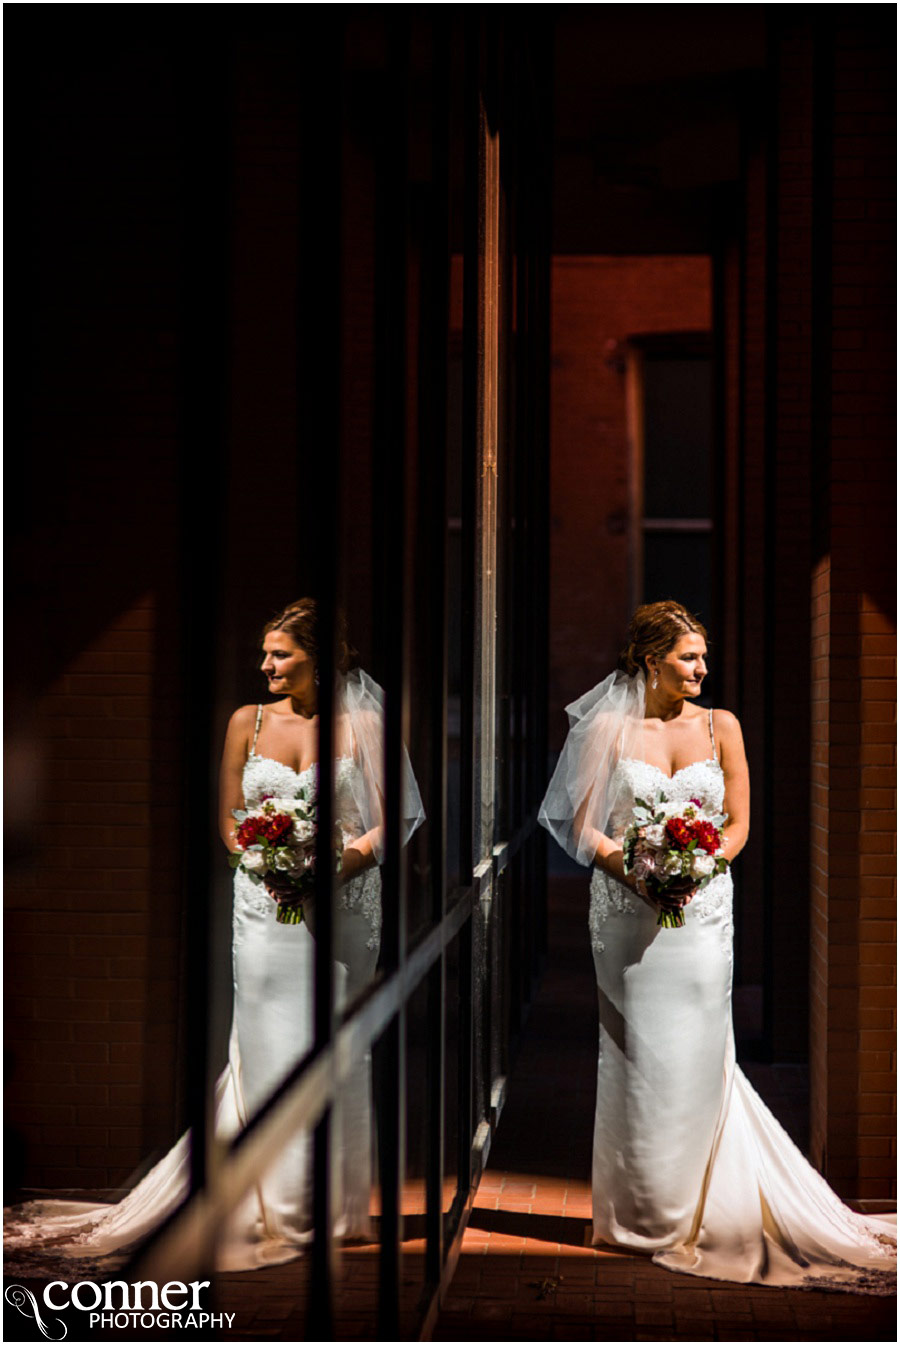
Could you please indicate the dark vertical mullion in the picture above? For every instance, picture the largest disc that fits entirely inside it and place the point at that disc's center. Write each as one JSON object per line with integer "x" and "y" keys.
{"x": 821, "y": 298}
{"x": 434, "y": 327}
{"x": 471, "y": 249}
{"x": 502, "y": 75}
{"x": 775, "y": 28}
{"x": 535, "y": 561}
{"x": 506, "y": 806}
{"x": 539, "y": 341}
{"x": 318, "y": 427}
{"x": 531, "y": 560}
{"x": 205, "y": 109}
{"x": 472, "y": 230}
{"x": 389, "y": 499}
{"x": 718, "y": 457}
{"x": 523, "y": 625}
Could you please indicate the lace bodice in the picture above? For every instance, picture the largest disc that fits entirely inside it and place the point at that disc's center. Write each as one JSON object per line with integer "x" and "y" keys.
{"x": 633, "y": 779}
{"x": 701, "y": 780}
{"x": 265, "y": 775}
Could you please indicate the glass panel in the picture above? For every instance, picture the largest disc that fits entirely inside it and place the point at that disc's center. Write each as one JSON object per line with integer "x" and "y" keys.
{"x": 454, "y": 589}
{"x": 677, "y": 437}
{"x": 481, "y": 1025}
{"x": 452, "y": 1092}
{"x": 687, "y": 556}
{"x": 356, "y": 1279}
{"x": 412, "y": 1282}
{"x": 487, "y": 469}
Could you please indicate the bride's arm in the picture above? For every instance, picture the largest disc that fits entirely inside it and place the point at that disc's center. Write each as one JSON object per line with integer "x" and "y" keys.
{"x": 360, "y": 854}
{"x": 737, "y": 782}
{"x": 234, "y": 755}
{"x": 608, "y": 854}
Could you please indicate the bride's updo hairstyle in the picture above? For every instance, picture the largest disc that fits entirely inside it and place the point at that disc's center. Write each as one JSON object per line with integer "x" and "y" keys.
{"x": 656, "y": 628}
{"x": 300, "y": 620}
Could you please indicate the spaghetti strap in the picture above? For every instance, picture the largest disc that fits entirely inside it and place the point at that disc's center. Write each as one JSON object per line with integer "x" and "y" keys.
{"x": 259, "y": 710}
{"x": 712, "y": 736}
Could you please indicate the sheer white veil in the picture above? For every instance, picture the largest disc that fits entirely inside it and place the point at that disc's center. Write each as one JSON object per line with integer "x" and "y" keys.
{"x": 362, "y": 700}
{"x": 605, "y": 724}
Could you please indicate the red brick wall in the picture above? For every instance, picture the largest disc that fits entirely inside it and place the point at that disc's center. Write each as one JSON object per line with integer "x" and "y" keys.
{"x": 597, "y": 302}
{"x": 854, "y": 645}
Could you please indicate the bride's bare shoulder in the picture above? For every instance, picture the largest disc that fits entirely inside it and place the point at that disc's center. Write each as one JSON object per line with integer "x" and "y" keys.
{"x": 239, "y": 735}
{"x": 242, "y": 723}
{"x": 725, "y": 718}
{"x": 727, "y": 727}
{"x": 244, "y": 715}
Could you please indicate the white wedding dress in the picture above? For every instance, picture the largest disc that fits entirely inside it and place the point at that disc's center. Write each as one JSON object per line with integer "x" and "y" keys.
{"x": 688, "y": 1163}
{"x": 272, "y": 1028}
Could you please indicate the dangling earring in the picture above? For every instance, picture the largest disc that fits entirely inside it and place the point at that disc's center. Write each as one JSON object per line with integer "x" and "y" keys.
{"x": 655, "y": 682}
{"x": 317, "y": 677}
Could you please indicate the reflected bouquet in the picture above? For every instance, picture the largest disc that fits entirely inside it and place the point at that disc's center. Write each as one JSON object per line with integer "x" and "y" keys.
{"x": 674, "y": 848}
{"x": 276, "y": 843}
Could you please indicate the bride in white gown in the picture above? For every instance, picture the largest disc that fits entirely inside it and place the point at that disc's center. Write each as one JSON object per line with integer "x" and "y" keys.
{"x": 688, "y": 1163}
{"x": 272, "y": 750}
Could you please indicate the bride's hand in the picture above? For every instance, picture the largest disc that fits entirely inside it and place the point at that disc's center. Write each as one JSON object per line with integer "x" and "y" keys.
{"x": 353, "y": 862}
{"x": 614, "y": 865}
{"x": 677, "y": 895}
{"x": 279, "y": 885}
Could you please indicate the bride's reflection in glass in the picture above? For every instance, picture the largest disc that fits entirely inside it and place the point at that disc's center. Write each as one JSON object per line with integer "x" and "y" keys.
{"x": 267, "y": 795}
{"x": 269, "y": 782}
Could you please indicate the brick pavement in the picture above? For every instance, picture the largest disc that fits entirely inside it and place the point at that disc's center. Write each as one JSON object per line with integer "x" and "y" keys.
{"x": 526, "y": 1271}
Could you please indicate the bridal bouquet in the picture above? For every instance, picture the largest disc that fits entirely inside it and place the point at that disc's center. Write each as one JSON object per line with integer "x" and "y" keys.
{"x": 673, "y": 847}
{"x": 278, "y": 839}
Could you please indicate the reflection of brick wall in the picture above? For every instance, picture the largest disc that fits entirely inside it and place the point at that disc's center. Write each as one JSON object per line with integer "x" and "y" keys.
{"x": 91, "y": 946}
{"x": 92, "y": 923}
{"x": 854, "y": 644}
{"x": 596, "y": 300}
{"x": 93, "y": 942}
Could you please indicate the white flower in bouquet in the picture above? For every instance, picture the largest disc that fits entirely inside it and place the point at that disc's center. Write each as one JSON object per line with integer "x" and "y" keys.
{"x": 702, "y": 864}
{"x": 288, "y": 861}
{"x": 671, "y": 865}
{"x": 304, "y": 831}
{"x": 254, "y": 861}
{"x": 655, "y": 836}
